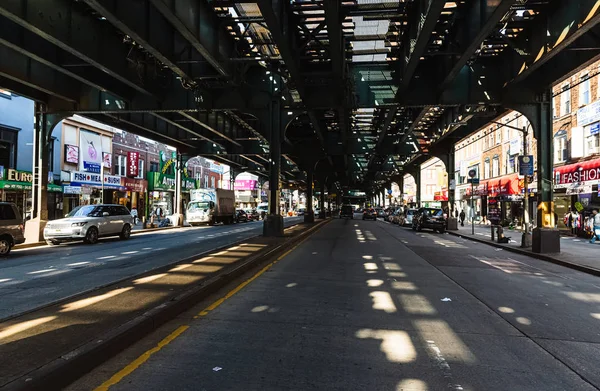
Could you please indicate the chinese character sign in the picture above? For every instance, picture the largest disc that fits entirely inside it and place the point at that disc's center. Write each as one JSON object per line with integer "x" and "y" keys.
{"x": 133, "y": 163}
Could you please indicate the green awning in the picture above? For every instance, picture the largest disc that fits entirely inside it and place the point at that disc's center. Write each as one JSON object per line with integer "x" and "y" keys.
{"x": 10, "y": 185}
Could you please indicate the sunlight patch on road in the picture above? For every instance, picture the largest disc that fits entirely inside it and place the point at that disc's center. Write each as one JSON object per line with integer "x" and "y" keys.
{"x": 145, "y": 280}
{"x": 506, "y": 310}
{"x": 396, "y": 345}
{"x": 412, "y": 385}
{"x": 416, "y": 304}
{"x": 374, "y": 283}
{"x": 20, "y": 327}
{"x": 452, "y": 346}
{"x": 93, "y": 300}
{"x": 383, "y": 301}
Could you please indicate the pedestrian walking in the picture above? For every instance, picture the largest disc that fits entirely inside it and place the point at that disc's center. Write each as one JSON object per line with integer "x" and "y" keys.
{"x": 596, "y": 222}
{"x": 462, "y": 218}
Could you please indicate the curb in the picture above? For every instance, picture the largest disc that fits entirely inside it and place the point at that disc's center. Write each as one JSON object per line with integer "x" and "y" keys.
{"x": 65, "y": 369}
{"x": 585, "y": 269}
{"x": 39, "y": 244}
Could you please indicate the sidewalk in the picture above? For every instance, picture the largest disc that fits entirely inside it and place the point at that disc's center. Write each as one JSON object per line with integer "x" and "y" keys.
{"x": 576, "y": 253}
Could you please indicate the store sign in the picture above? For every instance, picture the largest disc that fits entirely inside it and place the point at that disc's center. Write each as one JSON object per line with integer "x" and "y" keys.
{"x": 216, "y": 167}
{"x": 133, "y": 164}
{"x": 18, "y": 176}
{"x": 79, "y": 178}
{"x": 595, "y": 129}
{"x": 588, "y": 114}
{"x": 515, "y": 147}
{"x": 138, "y": 185}
{"x": 107, "y": 160}
{"x": 583, "y": 189}
{"x": 189, "y": 184}
{"x": 71, "y": 154}
{"x": 578, "y": 173}
{"x": 72, "y": 189}
{"x": 91, "y": 151}
{"x": 245, "y": 184}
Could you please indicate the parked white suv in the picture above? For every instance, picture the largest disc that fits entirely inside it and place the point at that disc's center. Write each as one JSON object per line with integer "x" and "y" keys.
{"x": 90, "y": 222}
{"x": 11, "y": 227}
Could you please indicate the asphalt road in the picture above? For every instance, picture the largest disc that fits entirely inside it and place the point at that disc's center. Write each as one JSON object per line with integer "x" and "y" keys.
{"x": 365, "y": 305}
{"x": 34, "y": 277}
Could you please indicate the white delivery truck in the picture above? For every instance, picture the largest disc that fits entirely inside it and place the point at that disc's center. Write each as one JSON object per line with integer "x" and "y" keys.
{"x": 210, "y": 206}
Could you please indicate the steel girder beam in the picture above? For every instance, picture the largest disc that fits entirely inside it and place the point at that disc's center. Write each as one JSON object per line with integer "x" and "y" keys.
{"x": 22, "y": 69}
{"x": 278, "y": 19}
{"x": 197, "y": 22}
{"x": 547, "y": 40}
{"x": 23, "y": 90}
{"x": 33, "y": 46}
{"x": 64, "y": 24}
{"x": 482, "y": 16}
{"x": 146, "y": 26}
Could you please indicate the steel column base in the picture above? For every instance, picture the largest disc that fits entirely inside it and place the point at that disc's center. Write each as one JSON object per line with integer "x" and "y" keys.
{"x": 545, "y": 241}
{"x": 526, "y": 240}
{"x": 34, "y": 230}
{"x": 452, "y": 224}
{"x": 309, "y": 217}
{"x": 273, "y": 226}
{"x": 322, "y": 215}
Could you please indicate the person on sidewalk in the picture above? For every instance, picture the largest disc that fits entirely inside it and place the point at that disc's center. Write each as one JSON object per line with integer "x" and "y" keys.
{"x": 462, "y": 218}
{"x": 596, "y": 232}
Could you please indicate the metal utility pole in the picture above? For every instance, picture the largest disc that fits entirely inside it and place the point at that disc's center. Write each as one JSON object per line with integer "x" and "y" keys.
{"x": 472, "y": 209}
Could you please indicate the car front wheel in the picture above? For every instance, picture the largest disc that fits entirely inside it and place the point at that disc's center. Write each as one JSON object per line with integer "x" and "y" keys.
{"x": 125, "y": 232}
{"x": 91, "y": 237}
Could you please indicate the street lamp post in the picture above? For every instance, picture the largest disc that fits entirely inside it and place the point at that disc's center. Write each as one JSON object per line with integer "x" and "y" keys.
{"x": 525, "y": 237}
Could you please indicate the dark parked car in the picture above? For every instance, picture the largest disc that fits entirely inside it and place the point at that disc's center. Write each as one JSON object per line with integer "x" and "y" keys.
{"x": 241, "y": 216}
{"x": 432, "y": 218}
{"x": 347, "y": 211}
{"x": 369, "y": 214}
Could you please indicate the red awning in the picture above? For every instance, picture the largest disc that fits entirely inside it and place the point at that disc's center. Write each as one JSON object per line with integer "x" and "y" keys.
{"x": 508, "y": 185}
{"x": 577, "y": 172}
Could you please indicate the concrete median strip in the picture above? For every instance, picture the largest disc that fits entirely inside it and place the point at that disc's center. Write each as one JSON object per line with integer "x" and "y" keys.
{"x": 49, "y": 348}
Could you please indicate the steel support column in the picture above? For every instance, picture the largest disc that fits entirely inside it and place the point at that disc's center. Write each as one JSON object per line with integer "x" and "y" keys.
{"x": 44, "y": 124}
{"x": 450, "y": 163}
{"x": 309, "y": 215}
{"x": 273, "y": 225}
{"x": 417, "y": 176}
{"x": 322, "y": 199}
{"x": 546, "y": 238}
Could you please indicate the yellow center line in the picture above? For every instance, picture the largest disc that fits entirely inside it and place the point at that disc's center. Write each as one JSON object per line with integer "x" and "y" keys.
{"x": 135, "y": 364}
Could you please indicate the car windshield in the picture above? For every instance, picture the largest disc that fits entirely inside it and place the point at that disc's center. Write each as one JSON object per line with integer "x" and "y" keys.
{"x": 85, "y": 211}
{"x": 197, "y": 206}
{"x": 263, "y": 207}
{"x": 433, "y": 212}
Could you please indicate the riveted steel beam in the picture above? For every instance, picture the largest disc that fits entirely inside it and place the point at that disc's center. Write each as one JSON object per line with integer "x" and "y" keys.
{"x": 200, "y": 26}
{"x": 22, "y": 69}
{"x": 147, "y": 27}
{"x": 65, "y": 24}
{"x": 548, "y": 37}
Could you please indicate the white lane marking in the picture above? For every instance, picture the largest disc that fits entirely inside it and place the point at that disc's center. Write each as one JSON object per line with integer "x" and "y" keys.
{"x": 42, "y": 271}
{"x": 77, "y": 263}
{"x": 107, "y": 257}
{"x": 130, "y": 252}
{"x": 443, "y": 366}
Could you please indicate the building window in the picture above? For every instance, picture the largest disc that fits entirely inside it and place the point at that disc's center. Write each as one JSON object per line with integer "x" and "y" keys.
{"x": 592, "y": 142}
{"x": 498, "y": 135}
{"x": 584, "y": 90}
{"x": 429, "y": 189}
{"x": 206, "y": 181}
{"x": 120, "y": 165}
{"x": 560, "y": 147}
{"x": 565, "y": 100}
{"x": 8, "y": 147}
{"x": 486, "y": 168}
{"x": 140, "y": 170}
{"x": 511, "y": 166}
{"x": 198, "y": 175}
{"x": 491, "y": 138}
{"x": 495, "y": 166}
{"x": 212, "y": 182}
{"x": 153, "y": 166}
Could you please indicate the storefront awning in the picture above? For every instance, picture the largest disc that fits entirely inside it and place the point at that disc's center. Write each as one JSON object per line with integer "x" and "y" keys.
{"x": 25, "y": 186}
{"x": 580, "y": 173}
{"x": 508, "y": 185}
